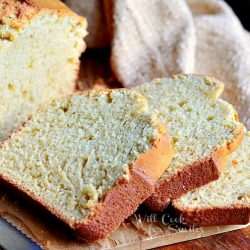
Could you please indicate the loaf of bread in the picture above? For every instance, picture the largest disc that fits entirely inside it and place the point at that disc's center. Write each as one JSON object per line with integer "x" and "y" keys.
{"x": 205, "y": 130}
{"x": 90, "y": 158}
{"x": 40, "y": 46}
{"x": 225, "y": 201}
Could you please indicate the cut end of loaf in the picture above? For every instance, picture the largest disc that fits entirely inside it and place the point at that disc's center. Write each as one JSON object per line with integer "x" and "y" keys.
{"x": 39, "y": 42}
{"x": 200, "y": 124}
{"x": 68, "y": 156}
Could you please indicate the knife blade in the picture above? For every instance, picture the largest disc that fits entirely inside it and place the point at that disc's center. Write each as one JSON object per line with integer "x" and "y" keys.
{"x": 13, "y": 239}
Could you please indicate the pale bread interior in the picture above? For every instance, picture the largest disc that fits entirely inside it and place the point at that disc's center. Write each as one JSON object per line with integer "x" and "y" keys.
{"x": 39, "y": 61}
{"x": 231, "y": 189}
{"x": 73, "y": 152}
{"x": 197, "y": 120}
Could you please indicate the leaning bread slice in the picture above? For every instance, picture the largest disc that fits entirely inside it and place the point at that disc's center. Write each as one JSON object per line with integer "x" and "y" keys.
{"x": 40, "y": 45}
{"x": 90, "y": 159}
{"x": 205, "y": 130}
{"x": 225, "y": 201}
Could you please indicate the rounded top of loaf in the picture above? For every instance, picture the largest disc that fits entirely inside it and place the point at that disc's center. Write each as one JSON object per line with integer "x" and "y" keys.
{"x": 16, "y": 13}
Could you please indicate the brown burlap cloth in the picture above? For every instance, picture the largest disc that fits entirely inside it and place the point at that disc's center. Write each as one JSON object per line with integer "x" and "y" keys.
{"x": 155, "y": 38}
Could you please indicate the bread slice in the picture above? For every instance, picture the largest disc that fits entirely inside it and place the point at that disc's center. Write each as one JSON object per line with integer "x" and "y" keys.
{"x": 225, "y": 201}
{"x": 205, "y": 130}
{"x": 90, "y": 159}
{"x": 40, "y": 46}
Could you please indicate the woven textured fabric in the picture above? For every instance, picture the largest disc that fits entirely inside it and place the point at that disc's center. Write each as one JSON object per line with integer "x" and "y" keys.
{"x": 155, "y": 38}
{"x": 149, "y": 39}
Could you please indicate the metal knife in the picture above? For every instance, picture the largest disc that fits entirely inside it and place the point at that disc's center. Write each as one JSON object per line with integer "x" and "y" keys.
{"x": 13, "y": 239}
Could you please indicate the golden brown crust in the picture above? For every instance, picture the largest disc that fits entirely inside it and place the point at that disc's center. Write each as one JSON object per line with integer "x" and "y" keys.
{"x": 234, "y": 215}
{"x": 120, "y": 203}
{"x": 123, "y": 199}
{"x": 193, "y": 176}
{"x": 15, "y": 9}
{"x": 16, "y": 12}
{"x": 56, "y": 5}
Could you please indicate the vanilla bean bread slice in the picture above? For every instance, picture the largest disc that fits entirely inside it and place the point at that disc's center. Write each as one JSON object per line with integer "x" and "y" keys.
{"x": 90, "y": 159}
{"x": 40, "y": 45}
{"x": 225, "y": 201}
{"x": 205, "y": 130}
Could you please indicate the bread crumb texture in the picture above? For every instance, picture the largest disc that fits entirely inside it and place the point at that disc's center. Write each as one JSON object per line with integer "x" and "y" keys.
{"x": 70, "y": 154}
{"x": 39, "y": 59}
{"x": 232, "y": 188}
{"x": 197, "y": 120}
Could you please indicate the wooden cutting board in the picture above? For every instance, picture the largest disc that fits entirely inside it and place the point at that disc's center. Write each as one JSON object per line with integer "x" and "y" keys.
{"x": 144, "y": 230}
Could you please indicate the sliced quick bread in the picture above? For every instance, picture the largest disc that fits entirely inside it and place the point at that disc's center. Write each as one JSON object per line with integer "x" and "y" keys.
{"x": 205, "y": 130}
{"x": 225, "y": 201}
{"x": 90, "y": 159}
{"x": 40, "y": 46}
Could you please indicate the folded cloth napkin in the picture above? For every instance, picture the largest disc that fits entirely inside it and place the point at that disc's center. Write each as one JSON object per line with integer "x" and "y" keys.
{"x": 155, "y": 38}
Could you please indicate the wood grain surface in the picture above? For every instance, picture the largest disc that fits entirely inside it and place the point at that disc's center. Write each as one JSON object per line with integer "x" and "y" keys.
{"x": 96, "y": 71}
